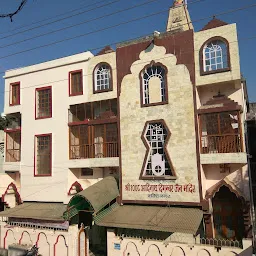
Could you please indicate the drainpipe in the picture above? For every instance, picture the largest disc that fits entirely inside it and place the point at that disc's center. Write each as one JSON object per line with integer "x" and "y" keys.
{"x": 250, "y": 185}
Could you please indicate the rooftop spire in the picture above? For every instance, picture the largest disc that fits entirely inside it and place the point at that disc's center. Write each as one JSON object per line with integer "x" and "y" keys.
{"x": 179, "y": 19}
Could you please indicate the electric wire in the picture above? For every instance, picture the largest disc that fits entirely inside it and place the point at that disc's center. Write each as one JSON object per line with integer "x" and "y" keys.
{"x": 174, "y": 56}
{"x": 47, "y": 19}
{"x": 92, "y": 32}
{"x": 113, "y": 13}
{"x": 52, "y": 22}
{"x": 80, "y": 23}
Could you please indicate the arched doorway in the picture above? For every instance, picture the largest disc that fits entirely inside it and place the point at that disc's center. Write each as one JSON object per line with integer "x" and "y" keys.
{"x": 228, "y": 215}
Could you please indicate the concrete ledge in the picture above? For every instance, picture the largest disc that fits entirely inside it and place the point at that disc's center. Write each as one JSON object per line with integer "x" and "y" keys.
{"x": 11, "y": 166}
{"x": 94, "y": 162}
{"x": 232, "y": 158}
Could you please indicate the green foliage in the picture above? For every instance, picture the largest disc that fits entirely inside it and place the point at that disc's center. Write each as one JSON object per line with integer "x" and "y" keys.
{"x": 4, "y": 122}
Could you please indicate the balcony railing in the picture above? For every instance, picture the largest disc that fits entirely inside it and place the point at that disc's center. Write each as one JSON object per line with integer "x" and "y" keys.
{"x": 96, "y": 150}
{"x": 211, "y": 144}
{"x": 12, "y": 155}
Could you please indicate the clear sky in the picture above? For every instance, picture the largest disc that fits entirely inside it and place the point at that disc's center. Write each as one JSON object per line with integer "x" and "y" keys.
{"x": 50, "y": 10}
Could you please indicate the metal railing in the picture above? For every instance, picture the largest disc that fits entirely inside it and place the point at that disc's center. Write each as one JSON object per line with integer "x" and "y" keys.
{"x": 218, "y": 242}
{"x": 96, "y": 150}
{"x": 211, "y": 144}
{"x": 12, "y": 155}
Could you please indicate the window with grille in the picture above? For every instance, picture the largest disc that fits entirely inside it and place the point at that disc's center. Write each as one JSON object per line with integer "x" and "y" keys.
{"x": 154, "y": 90}
{"x": 15, "y": 94}
{"x": 43, "y": 158}
{"x": 75, "y": 83}
{"x": 102, "y": 78}
{"x": 43, "y": 102}
{"x": 157, "y": 163}
{"x": 215, "y": 56}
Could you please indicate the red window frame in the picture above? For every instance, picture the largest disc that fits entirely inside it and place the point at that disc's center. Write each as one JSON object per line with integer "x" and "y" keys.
{"x": 70, "y": 82}
{"x": 13, "y": 102}
{"x": 36, "y": 154}
{"x": 37, "y": 99}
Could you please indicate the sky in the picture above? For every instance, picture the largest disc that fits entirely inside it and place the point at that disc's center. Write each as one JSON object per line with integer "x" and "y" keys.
{"x": 39, "y": 17}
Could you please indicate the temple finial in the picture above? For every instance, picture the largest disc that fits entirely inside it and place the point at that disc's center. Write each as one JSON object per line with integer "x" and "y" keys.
{"x": 179, "y": 19}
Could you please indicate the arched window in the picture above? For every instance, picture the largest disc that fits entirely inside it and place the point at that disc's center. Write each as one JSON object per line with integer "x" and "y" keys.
{"x": 154, "y": 85}
{"x": 215, "y": 56}
{"x": 102, "y": 78}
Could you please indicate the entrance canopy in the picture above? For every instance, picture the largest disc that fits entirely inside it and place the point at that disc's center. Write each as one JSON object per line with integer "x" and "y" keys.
{"x": 157, "y": 218}
{"x": 94, "y": 198}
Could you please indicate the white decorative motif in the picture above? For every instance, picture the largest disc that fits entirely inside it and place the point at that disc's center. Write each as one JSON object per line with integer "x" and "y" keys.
{"x": 158, "y": 164}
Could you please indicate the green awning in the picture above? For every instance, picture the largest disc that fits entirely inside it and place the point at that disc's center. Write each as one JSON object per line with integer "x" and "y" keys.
{"x": 37, "y": 211}
{"x": 93, "y": 198}
{"x": 157, "y": 218}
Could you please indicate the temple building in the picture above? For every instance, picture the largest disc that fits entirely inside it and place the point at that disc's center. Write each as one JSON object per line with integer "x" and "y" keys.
{"x": 137, "y": 151}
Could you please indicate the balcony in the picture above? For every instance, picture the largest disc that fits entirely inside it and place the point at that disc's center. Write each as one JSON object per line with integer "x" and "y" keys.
{"x": 96, "y": 150}
{"x": 93, "y": 112}
{"x": 93, "y": 136}
{"x": 221, "y": 138}
{"x": 218, "y": 144}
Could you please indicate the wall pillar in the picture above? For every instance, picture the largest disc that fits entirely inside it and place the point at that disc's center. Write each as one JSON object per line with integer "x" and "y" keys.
{"x": 208, "y": 225}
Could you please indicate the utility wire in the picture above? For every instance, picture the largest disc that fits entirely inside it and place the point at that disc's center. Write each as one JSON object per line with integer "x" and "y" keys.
{"x": 113, "y": 26}
{"x": 47, "y": 19}
{"x": 10, "y": 15}
{"x": 49, "y": 23}
{"x": 116, "y": 12}
{"x": 81, "y": 23}
{"x": 174, "y": 56}
{"x": 89, "y": 33}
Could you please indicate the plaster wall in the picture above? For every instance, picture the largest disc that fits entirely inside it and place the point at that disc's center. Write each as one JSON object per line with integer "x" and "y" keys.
{"x": 54, "y": 73}
{"x": 237, "y": 176}
{"x": 1, "y": 150}
{"x": 135, "y": 247}
{"x": 179, "y": 117}
{"x": 50, "y": 243}
{"x": 229, "y": 32}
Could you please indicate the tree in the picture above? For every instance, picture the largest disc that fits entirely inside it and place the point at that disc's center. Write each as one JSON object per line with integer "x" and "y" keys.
{"x": 4, "y": 122}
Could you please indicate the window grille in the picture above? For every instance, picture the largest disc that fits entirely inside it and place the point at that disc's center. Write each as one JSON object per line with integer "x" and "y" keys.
{"x": 43, "y": 157}
{"x": 102, "y": 78}
{"x": 157, "y": 162}
{"x": 44, "y": 103}
{"x": 215, "y": 56}
{"x": 153, "y": 71}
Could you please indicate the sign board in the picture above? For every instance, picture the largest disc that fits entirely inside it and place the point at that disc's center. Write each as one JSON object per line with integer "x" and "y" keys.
{"x": 117, "y": 246}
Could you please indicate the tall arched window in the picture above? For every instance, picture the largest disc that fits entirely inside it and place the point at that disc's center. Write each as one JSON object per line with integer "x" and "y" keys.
{"x": 215, "y": 55}
{"x": 102, "y": 78}
{"x": 154, "y": 85}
